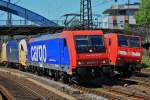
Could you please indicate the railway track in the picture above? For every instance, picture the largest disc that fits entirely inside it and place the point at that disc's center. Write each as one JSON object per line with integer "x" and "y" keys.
{"x": 110, "y": 91}
{"x": 133, "y": 88}
{"x": 17, "y": 91}
{"x": 141, "y": 78}
{"x": 63, "y": 91}
{"x": 119, "y": 93}
{"x": 24, "y": 89}
{"x": 140, "y": 81}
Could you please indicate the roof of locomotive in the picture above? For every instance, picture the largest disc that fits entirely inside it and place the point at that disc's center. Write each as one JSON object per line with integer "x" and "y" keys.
{"x": 45, "y": 36}
{"x": 85, "y": 32}
{"x": 122, "y": 34}
{"x": 48, "y": 36}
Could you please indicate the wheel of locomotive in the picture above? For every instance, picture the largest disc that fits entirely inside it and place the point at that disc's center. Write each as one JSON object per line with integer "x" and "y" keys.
{"x": 96, "y": 73}
{"x": 21, "y": 67}
{"x": 6, "y": 64}
{"x": 130, "y": 72}
{"x": 83, "y": 76}
{"x": 56, "y": 76}
{"x": 30, "y": 68}
{"x": 13, "y": 65}
{"x": 33, "y": 69}
{"x": 40, "y": 71}
{"x": 75, "y": 77}
{"x": 10, "y": 65}
{"x": 46, "y": 72}
{"x": 127, "y": 71}
{"x": 65, "y": 78}
{"x": 51, "y": 74}
{"x": 26, "y": 68}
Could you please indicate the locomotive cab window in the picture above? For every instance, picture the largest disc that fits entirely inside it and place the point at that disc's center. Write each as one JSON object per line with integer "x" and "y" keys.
{"x": 123, "y": 41}
{"x": 134, "y": 42}
{"x": 89, "y": 44}
{"x": 65, "y": 43}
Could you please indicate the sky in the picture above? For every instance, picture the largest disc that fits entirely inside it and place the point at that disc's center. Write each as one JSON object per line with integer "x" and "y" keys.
{"x": 54, "y": 9}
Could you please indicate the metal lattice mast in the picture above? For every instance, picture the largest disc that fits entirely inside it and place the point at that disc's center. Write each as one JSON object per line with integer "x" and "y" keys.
{"x": 86, "y": 14}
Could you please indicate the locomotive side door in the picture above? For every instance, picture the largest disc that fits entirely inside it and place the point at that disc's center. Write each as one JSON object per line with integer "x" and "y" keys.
{"x": 61, "y": 46}
{"x": 64, "y": 54}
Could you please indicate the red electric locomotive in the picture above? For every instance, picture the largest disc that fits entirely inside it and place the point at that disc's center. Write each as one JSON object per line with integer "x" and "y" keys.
{"x": 87, "y": 53}
{"x": 125, "y": 52}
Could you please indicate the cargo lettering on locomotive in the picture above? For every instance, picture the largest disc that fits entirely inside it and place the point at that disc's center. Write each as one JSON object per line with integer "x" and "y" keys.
{"x": 38, "y": 53}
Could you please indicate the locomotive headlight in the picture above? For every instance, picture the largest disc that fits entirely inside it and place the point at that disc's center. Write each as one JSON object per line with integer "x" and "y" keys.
{"x": 122, "y": 52}
{"x": 90, "y": 50}
{"x": 104, "y": 62}
{"x": 79, "y": 63}
{"x": 118, "y": 58}
{"x": 136, "y": 54}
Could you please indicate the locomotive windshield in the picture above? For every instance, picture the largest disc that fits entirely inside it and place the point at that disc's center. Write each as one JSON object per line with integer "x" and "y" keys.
{"x": 123, "y": 41}
{"x": 89, "y": 44}
{"x": 134, "y": 42}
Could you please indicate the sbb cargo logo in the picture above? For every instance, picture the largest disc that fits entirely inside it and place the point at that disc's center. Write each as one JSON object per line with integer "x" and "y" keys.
{"x": 38, "y": 53}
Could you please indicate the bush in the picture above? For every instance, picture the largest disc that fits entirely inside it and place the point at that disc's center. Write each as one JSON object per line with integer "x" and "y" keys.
{"x": 146, "y": 61}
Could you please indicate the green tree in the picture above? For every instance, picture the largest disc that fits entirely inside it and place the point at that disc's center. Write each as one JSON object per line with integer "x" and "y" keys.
{"x": 143, "y": 15}
{"x": 126, "y": 27}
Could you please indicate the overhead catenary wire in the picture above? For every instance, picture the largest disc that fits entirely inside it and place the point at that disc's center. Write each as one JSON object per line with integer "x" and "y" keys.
{"x": 103, "y": 2}
{"x": 95, "y": 7}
